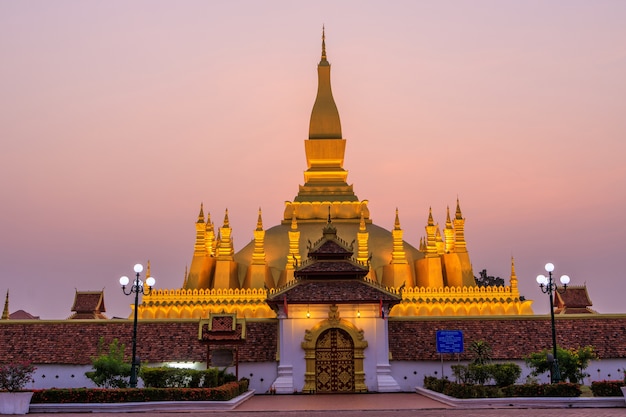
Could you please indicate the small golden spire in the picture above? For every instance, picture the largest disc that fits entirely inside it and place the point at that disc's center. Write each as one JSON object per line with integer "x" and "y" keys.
{"x": 513, "y": 277}
{"x": 458, "y": 213}
{"x": 201, "y": 214}
{"x": 329, "y": 229}
{"x": 294, "y": 221}
{"x": 448, "y": 221}
{"x": 5, "y": 312}
{"x": 259, "y": 222}
{"x": 148, "y": 269}
{"x": 362, "y": 222}
{"x": 323, "y": 43}
{"x": 396, "y": 225}
{"x": 431, "y": 222}
{"x": 226, "y": 222}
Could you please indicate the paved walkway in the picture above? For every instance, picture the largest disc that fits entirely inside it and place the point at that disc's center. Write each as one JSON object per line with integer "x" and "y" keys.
{"x": 364, "y": 405}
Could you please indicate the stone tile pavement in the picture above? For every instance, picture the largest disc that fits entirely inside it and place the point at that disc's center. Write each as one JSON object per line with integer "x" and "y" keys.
{"x": 363, "y": 405}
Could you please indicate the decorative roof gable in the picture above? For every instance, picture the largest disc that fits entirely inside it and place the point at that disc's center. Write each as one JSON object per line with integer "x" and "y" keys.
{"x": 575, "y": 300}
{"x": 88, "y": 305}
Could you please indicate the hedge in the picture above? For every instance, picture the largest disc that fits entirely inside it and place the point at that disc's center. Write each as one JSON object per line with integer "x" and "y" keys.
{"x": 457, "y": 390}
{"x": 607, "y": 388}
{"x": 121, "y": 395}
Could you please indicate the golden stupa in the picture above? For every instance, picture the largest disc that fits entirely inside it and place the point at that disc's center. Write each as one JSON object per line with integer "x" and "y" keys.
{"x": 435, "y": 279}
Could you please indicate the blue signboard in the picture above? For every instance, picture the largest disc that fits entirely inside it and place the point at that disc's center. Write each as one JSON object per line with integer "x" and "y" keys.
{"x": 449, "y": 341}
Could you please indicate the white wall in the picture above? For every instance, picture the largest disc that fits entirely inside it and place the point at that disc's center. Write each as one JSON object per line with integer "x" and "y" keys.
{"x": 411, "y": 374}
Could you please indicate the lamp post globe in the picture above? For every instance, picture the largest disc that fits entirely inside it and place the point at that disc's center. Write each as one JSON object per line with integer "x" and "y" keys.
{"x": 136, "y": 288}
{"x": 549, "y": 286}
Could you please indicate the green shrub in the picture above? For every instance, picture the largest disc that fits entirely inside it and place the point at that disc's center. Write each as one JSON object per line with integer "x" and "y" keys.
{"x": 98, "y": 395}
{"x": 502, "y": 373}
{"x": 607, "y": 388}
{"x": 110, "y": 370}
{"x": 471, "y": 391}
{"x": 572, "y": 362}
{"x": 435, "y": 384}
{"x": 505, "y": 374}
{"x": 524, "y": 390}
{"x": 562, "y": 389}
{"x": 166, "y": 377}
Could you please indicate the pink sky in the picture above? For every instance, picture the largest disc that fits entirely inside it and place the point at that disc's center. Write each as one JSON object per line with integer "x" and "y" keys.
{"x": 119, "y": 118}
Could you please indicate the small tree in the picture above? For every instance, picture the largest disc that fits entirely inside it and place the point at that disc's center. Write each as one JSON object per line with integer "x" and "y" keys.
{"x": 110, "y": 370}
{"x": 481, "y": 352}
{"x": 13, "y": 377}
{"x": 485, "y": 280}
{"x": 572, "y": 362}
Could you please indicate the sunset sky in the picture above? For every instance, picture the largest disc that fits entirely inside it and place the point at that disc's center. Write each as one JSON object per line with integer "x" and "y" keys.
{"x": 118, "y": 118}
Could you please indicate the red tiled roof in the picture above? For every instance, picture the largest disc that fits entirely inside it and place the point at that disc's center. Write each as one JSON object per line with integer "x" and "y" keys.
{"x": 88, "y": 305}
{"x": 574, "y": 300}
{"x": 333, "y": 292}
{"x": 22, "y": 315}
{"x": 88, "y": 301}
{"x": 330, "y": 247}
{"x": 332, "y": 267}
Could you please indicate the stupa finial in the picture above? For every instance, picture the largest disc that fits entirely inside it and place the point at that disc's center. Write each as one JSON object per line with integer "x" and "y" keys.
{"x": 323, "y": 43}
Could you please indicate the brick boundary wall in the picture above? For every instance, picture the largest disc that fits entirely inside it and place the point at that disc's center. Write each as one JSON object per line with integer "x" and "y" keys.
{"x": 75, "y": 342}
{"x": 509, "y": 338}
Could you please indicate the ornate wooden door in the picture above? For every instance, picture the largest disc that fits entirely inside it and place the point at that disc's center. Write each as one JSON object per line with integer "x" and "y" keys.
{"x": 334, "y": 361}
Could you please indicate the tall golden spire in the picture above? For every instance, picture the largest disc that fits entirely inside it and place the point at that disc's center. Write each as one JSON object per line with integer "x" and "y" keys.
{"x": 258, "y": 255}
{"x": 362, "y": 237}
{"x": 514, "y": 289}
{"x": 294, "y": 258}
{"x": 398, "y": 255}
{"x": 448, "y": 233}
{"x": 325, "y": 122}
{"x": 5, "y": 312}
{"x": 325, "y": 179}
{"x": 209, "y": 235}
{"x": 225, "y": 249}
{"x": 431, "y": 236}
{"x": 460, "y": 246}
{"x": 200, "y": 246}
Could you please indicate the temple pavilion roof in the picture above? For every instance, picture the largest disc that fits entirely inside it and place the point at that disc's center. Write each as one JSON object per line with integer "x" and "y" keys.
{"x": 88, "y": 305}
{"x": 575, "y": 300}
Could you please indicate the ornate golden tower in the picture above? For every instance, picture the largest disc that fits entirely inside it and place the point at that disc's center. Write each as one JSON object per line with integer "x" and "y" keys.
{"x": 436, "y": 278}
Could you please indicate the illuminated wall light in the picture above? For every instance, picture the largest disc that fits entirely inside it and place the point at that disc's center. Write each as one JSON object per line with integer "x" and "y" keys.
{"x": 308, "y": 314}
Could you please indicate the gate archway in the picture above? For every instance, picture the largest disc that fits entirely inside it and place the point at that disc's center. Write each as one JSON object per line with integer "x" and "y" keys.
{"x": 333, "y": 351}
{"x": 334, "y": 362}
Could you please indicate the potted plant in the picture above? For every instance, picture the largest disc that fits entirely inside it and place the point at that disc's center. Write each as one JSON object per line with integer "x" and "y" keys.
{"x": 13, "y": 377}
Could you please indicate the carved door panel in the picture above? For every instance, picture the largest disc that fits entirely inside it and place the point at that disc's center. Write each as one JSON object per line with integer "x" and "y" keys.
{"x": 334, "y": 361}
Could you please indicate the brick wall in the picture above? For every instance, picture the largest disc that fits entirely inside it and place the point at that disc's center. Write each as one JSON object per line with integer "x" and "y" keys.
{"x": 510, "y": 338}
{"x": 76, "y": 341}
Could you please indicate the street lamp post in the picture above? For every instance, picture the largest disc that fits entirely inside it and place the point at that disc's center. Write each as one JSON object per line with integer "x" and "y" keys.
{"x": 548, "y": 286}
{"x": 136, "y": 288}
